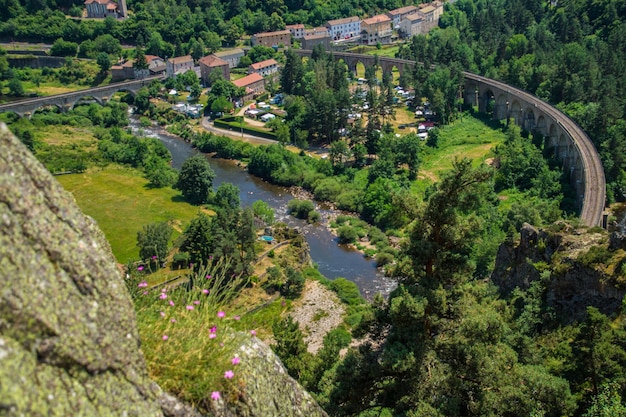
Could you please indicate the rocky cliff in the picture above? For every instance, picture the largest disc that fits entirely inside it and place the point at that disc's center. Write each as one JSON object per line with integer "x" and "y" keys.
{"x": 578, "y": 267}
{"x": 68, "y": 339}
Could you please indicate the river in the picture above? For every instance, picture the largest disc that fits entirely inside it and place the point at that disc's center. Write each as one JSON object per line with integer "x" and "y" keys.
{"x": 333, "y": 260}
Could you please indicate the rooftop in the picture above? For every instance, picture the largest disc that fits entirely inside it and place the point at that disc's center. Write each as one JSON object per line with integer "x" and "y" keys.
{"x": 263, "y": 64}
{"x": 247, "y": 80}
{"x": 212, "y": 61}
{"x": 379, "y": 18}
{"x": 402, "y": 10}
{"x": 343, "y": 21}
{"x": 180, "y": 59}
{"x": 277, "y": 33}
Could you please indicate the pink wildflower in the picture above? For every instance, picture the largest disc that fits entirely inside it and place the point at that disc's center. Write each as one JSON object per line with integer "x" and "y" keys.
{"x": 145, "y": 293}
{"x": 171, "y": 303}
{"x": 253, "y": 332}
{"x": 162, "y": 313}
{"x": 205, "y": 291}
{"x": 173, "y": 320}
{"x": 213, "y": 329}
{"x": 165, "y": 337}
{"x": 208, "y": 277}
{"x": 154, "y": 256}
{"x": 196, "y": 302}
{"x": 189, "y": 307}
{"x": 235, "y": 360}
{"x": 221, "y": 314}
{"x": 212, "y": 336}
{"x": 140, "y": 268}
{"x": 142, "y": 284}
{"x": 215, "y": 395}
{"x": 229, "y": 374}
{"x": 237, "y": 317}
{"x": 163, "y": 296}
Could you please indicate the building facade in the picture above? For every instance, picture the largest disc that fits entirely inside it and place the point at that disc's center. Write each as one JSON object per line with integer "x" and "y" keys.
{"x": 311, "y": 41}
{"x": 232, "y": 56}
{"x": 264, "y": 68}
{"x": 297, "y": 31}
{"x": 397, "y": 15}
{"x": 211, "y": 63}
{"x": 254, "y": 85}
{"x": 281, "y": 37}
{"x": 376, "y": 29}
{"x": 412, "y": 25}
{"x": 179, "y": 65}
{"x": 345, "y": 28}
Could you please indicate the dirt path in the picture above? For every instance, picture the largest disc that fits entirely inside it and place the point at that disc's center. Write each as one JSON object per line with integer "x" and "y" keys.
{"x": 318, "y": 312}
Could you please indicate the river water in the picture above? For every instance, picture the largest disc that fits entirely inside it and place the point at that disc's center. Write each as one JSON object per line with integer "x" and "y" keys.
{"x": 333, "y": 260}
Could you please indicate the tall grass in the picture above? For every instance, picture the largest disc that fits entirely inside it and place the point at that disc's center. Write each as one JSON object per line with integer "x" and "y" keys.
{"x": 189, "y": 335}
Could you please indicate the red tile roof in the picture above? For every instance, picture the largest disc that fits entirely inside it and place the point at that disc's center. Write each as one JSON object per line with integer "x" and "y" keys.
{"x": 268, "y": 62}
{"x": 247, "y": 80}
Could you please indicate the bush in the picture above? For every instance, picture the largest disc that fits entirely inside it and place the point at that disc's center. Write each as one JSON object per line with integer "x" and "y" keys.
{"x": 384, "y": 258}
{"x": 347, "y": 234}
{"x": 313, "y": 216}
{"x": 300, "y": 208}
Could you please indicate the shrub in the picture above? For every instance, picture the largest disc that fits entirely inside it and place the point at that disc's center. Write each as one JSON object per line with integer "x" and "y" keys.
{"x": 384, "y": 258}
{"x": 313, "y": 216}
{"x": 300, "y": 208}
{"x": 347, "y": 234}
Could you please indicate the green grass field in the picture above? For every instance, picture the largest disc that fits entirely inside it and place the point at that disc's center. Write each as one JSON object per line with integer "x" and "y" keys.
{"x": 120, "y": 201}
{"x": 468, "y": 137}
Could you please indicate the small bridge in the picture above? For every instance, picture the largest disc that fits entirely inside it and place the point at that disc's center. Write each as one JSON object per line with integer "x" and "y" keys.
{"x": 67, "y": 101}
{"x": 568, "y": 141}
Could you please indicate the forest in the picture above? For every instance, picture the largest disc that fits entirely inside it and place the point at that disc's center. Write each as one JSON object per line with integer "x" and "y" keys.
{"x": 448, "y": 341}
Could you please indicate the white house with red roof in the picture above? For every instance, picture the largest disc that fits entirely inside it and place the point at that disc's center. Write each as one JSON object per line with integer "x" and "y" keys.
{"x": 254, "y": 85}
{"x": 264, "y": 68}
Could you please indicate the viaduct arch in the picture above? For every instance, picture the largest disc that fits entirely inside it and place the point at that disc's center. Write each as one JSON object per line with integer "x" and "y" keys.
{"x": 564, "y": 137}
{"x": 66, "y": 101}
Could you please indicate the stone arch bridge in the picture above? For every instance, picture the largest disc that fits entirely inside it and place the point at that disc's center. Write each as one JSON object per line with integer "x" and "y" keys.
{"x": 568, "y": 141}
{"x": 66, "y": 101}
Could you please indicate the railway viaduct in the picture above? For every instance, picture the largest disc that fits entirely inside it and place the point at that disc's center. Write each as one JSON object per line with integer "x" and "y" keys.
{"x": 66, "y": 101}
{"x": 569, "y": 142}
{"x": 564, "y": 137}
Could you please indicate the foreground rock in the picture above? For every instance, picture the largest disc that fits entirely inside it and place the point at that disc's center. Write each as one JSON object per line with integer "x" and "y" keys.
{"x": 68, "y": 338}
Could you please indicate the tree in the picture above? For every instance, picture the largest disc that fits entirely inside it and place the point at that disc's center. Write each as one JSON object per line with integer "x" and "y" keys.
{"x": 16, "y": 88}
{"x": 153, "y": 241}
{"x": 290, "y": 348}
{"x": 227, "y": 196}
{"x": 140, "y": 59}
{"x": 195, "y": 180}
{"x": 198, "y": 240}
{"x": 104, "y": 62}
{"x": 61, "y": 47}
{"x": 263, "y": 211}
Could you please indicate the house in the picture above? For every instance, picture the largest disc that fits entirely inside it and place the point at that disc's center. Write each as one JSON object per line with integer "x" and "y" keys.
{"x": 322, "y": 30}
{"x": 311, "y": 41}
{"x": 376, "y": 29}
{"x": 345, "y": 28}
{"x": 211, "y": 63}
{"x": 156, "y": 64}
{"x": 297, "y": 31}
{"x": 264, "y": 68}
{"x": 431, "y": 12}
{"x": 411, "y": 25}
{"x": 397, "y": 15}
{"x": 254, "y": 84}
{"x": 126, "y": 70}
{"x": 281, "y": 37}
{"x": 232, "y": 56}
{"x": 99, "y": 9}
{"x": 179, "y": 65}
